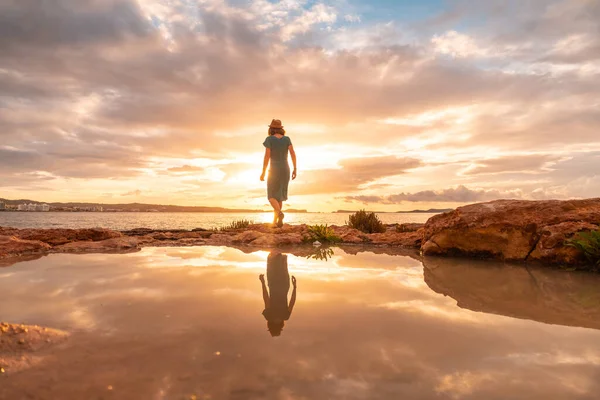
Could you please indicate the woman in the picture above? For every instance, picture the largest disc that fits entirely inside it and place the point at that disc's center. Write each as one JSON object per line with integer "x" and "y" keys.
{"x": 277, "y": 310}
{"x": 277, "y": 147}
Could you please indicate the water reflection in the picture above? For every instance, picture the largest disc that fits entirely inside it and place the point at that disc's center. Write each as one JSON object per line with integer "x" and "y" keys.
{"x": 277, "y": 310}
{"x": 172, "y": 323}
{"x": 526, "y": 292}
{"x": 322, "y": 254}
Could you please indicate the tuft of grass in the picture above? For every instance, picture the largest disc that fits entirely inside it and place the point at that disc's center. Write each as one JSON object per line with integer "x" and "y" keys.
{"x": 366, "y": 222}
{"x": 322, "y": 233}
{"x": 235, "y": 225}
{"x": 587, "y": 243}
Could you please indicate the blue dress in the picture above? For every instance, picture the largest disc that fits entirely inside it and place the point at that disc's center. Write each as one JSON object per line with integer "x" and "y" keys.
{"x": 279, "y": 170}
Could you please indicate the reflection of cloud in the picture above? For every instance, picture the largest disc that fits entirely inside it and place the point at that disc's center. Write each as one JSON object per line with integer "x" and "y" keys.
{"x": 550, "y": 359}
{"x": 433, "y": 309}
{"x": 462, "y": 384}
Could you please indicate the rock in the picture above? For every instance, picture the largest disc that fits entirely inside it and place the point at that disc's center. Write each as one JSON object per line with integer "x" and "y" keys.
{"x": 247, "y": 237}
{"x": 512, "y": 230}
{"x": 220, "y": 239}
{"x": 276, "y": 240}
{"x": 61, "y": 236}
{"x": 550, "y": 247}
{"x": 11, "y": 246}
{"x": 394, "y": 238}
{"x": 411, "y": 227}
{"x": 121, "y": 244}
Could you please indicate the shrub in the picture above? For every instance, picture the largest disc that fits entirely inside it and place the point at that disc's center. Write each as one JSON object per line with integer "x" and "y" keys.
{"x": 238, "y": 224}
{"x": 589, "y": 244}
{"x": 366, "y": 222}
{"x": 322, "y": 233}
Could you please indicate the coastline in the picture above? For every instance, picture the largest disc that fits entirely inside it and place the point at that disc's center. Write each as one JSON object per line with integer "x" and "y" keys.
{"x": 506, "y": 230}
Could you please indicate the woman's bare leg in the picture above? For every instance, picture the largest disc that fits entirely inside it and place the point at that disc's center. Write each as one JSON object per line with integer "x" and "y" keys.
{"x": 280, "y": 216}
{"x": 276, "y": 208}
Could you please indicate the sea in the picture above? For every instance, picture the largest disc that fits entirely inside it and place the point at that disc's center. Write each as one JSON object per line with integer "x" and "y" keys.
{"x": 180, "y": 220}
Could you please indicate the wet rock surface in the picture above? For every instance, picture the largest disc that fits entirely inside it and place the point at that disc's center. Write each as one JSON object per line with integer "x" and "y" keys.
{"x": 12, "y": 246}
{"x": 19, "y": 343}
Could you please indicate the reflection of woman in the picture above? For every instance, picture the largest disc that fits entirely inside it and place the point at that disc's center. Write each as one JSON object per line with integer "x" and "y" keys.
{"x": 277, "y": 148}
{"x": 276, "y": 306}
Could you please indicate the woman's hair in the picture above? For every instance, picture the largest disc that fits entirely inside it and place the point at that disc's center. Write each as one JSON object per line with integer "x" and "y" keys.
{"x": 276, "y": 131}
{"x": 275, "y": 327}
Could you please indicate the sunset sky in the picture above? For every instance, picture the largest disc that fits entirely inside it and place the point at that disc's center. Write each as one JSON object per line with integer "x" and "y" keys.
{"x": 390, "y": 104}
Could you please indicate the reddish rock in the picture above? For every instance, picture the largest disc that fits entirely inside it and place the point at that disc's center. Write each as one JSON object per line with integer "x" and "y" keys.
{"x": 349, "y": 235}
{"x": 219, "y": 239}
{"x": 11, "y": 246}
{"x": 276, "y": 240}
{"x": 394, "y": 238}
{"x": 550, "y": 247}
{"x": 247, "y": 237}
{"x": 19, "y": 342}
{"x": 121, "y": 244}
{"x": 410, "y": 227}
{"x": 61, "y": 236}
{"x": 511, "y": 229}
{"x": 20, "y": 338}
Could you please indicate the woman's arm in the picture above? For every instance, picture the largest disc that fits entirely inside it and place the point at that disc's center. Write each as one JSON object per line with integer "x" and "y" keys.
{"x": 266, "y": 163}
{"x": 293, "y": 154}
{"x": 293, "y": 298}
{"x": 265, "y": 293}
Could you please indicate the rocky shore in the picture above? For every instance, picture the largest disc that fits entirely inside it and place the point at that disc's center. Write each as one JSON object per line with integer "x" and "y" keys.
{"x": 509, "y": 230}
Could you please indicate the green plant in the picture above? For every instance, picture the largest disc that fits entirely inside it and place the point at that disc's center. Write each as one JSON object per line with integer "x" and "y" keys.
{"x": 238, "y": 224}
{"x": 322, "y": 253}
{"x": 322, "y": 233}
{"x": 366, "y": 222}
{"x": 589, "y": 244}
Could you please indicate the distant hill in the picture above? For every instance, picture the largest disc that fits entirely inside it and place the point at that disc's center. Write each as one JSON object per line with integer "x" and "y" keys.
{"x": 352, "y": 212}
{"x": 141, "y": 207}
{"x": 430, "y": 211}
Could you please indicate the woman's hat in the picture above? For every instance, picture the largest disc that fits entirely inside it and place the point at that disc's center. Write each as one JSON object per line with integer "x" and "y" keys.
{"x": 276, "y": 124}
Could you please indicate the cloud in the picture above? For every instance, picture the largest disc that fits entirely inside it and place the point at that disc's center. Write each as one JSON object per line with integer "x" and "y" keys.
{"x": 521, "y": 163}
{"x": 132, "y": 193}
{"x": 97, "y": 90}
{"x": 460, "y": 194}
{"x": 186, "y": 168}
{"x": 353, "y": 174}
